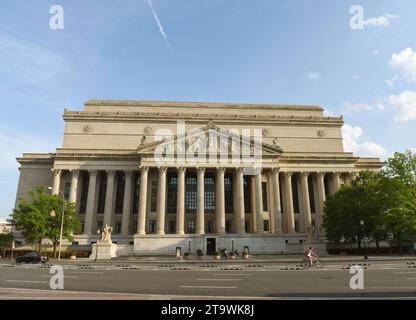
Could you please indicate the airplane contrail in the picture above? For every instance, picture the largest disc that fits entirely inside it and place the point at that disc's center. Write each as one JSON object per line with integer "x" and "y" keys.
{"x": 162, "y": 31}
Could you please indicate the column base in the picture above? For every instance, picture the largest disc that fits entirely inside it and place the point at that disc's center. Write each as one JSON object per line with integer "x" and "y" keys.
{"x": 181, "y": 233}
{"x": 160, "y": 233}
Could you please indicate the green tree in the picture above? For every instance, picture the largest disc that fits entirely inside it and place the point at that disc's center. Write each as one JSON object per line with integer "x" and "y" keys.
{"x": 6, "y": 241}
{"x": 402, "y": 166}
{"x": 34, "y": 218}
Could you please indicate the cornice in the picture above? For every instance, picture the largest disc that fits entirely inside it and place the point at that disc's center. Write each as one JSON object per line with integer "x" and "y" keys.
{"x": 186, "y": 104}
{"x": 198, "y": 118}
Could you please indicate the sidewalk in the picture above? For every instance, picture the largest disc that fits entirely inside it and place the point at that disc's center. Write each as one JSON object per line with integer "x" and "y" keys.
{"x": 253, "y": 259}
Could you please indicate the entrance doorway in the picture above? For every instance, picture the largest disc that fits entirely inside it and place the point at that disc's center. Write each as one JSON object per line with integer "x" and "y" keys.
{"x": 211, "y": 246}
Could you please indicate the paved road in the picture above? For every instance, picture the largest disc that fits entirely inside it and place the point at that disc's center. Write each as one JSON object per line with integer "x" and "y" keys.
{"x": 395, "y": 279}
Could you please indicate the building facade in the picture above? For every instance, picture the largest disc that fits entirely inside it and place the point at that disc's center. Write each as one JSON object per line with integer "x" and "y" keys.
{"x": 197, "y": 175}
{"x": 5, "y": 226}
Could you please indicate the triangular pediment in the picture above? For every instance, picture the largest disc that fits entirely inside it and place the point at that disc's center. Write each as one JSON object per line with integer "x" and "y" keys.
{"x": 213, "y": 138}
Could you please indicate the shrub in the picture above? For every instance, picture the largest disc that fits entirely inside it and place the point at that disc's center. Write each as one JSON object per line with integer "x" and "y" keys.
{"x": 200, "y": 253}
{"x": 186, "y": 254}
{"x": 245, "y": 252}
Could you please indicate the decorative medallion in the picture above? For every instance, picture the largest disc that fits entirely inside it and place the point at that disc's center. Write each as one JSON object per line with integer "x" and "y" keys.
{"x": 148, "y": 130}
{"x": 86, "y": 129}
{"x": 321, "y": 133}
{"x": 266, "y": 132}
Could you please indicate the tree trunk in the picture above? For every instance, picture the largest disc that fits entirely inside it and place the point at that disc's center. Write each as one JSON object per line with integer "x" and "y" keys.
{"x": 40, "y": 246}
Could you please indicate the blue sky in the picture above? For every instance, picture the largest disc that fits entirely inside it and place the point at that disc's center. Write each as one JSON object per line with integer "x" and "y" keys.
{"x": 265, "y": 51}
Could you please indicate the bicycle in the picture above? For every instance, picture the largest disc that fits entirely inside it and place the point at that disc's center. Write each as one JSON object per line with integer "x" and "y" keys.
{"x": 316, "y": 263}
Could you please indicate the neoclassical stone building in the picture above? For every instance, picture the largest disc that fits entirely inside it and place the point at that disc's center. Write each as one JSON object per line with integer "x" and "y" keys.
{"x": 197, "y": 175}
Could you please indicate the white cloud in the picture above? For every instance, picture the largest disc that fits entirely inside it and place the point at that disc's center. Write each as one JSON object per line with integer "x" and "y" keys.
{"x": 406, "y": 102}
{"x": 383, "y": 20}
{"x": 352, "y": 139}
{"x": 159, "y": 24}
{"x": 350, "y": 107}
{"x": 376, "y": 52}
{"x": 313, "y": 75}
{"x": 328, "y": 113}
{"x": 406, "y": 62}
{"x": 392, "y": 81}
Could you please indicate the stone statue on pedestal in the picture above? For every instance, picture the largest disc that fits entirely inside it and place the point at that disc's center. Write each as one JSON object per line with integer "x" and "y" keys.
{"x": 106, "y": 235}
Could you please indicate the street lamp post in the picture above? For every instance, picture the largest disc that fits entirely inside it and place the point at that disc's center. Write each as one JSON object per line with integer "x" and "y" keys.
{"x": 62, "y": 223}
{"x": 96, "y": 245}
{"x": 362, "y": 232}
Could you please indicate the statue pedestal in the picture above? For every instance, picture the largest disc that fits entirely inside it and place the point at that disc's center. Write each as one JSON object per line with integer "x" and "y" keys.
{"x": 106, "y": 251}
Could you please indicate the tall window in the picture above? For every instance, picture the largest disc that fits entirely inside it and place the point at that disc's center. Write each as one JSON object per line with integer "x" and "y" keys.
{"x": 84, "y": 192}
{"x": 311, "y": 194}
{"x": 172, "y": 192}
{"x": 247, "y": 194}
{"x": 247, "y": 226}
{"x": 118, "y": 227}
{"x": 210, "y": 226}
{"x": 264, "y": 196}
{"x": 191, "y": 227}
{"x": 190, "y": 193}
{"x": 171, "y": 227}
{"x": 209, "y": 190}
{"x": 153, "y": 196}
{"x": 136, "y": 193}
{"x": 121, "y": 180}
{"x": 296, "y": 225}
{"x": 326, "y": 184}
{"x": 228, "y": 226}
{"x": 295, "y": 193}
{"x": 228, "y": 191}
{"x": 102, "y": 192}
{"x": 266, "y": 225}
{"x": 134, "y": 227}
{"x": 99, "y": 225}
{"x": 67, "y": 190}
{"x": 152, "y": 226}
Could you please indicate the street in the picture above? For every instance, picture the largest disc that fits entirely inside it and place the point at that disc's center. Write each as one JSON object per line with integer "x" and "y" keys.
{"x": 382, "y": 279}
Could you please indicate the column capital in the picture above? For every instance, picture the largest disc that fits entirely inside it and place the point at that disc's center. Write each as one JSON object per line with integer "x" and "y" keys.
{"x": 144, "y": 169}
{"x": 304, "y": 174}
{"x": 275, "y": 170}
{"x": 337, "y": 174}
{"x": 288, "y": 173}
{"x": 162, "y": 169}
{"x": 128, "y": 172}
{"x": 239, "y": 170}
{"x": 93, "y": 172}
{"x": 110, "y": 173}
{"x": 200, "y": 170}
{"x": 56, "y": 172}
{"x": 181, "y": 170}
{"x": 221, "y": 170}
{"x": 321, "y": 174}
{"x": 75, "y": 172}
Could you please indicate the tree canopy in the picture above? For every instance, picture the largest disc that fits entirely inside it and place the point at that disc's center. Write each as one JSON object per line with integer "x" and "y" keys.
{"x": 39, "y": 217}
{"x": 384, "y": 201}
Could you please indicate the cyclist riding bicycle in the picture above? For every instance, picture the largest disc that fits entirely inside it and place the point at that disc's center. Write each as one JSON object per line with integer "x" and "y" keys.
{"x": 311, "y": 256}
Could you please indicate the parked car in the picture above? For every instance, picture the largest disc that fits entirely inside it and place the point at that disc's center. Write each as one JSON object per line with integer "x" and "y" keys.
{"x": 32, "y": 258}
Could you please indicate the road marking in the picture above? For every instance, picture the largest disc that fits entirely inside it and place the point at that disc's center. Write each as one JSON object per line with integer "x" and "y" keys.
{"x": 208, "y": 287}
{"x": 86, "y": 272}
{"x": 219, "y": 279}
{"x": 26, "y": 281}
{"x": 232, "y": 274}
{"x": 46, "y": 276}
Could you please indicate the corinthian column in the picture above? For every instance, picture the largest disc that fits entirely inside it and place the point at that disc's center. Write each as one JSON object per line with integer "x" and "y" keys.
{"x": 336, "y": 182}
{"x": 127, "y": 202}
{"x": 321, "y": 199}
{"x": 306, "y": 207}
{"x": 259, "y": 204}
{"x": 74, "y": 186}
{"x": 220, "y": 201}
{"x": 276, "y": 202}
{"x": 240, "y": 200}
{"x": 200, "y": 218}
{"x": 91, "y": 203}
{"x": 180, "y": 205}
{"x": 288, "y": 202}
{"x": 161, "y": 201}
{"x": 56, "y": 180}
{"x": 141, "y": 228}
{"x": 109, "y": 198}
